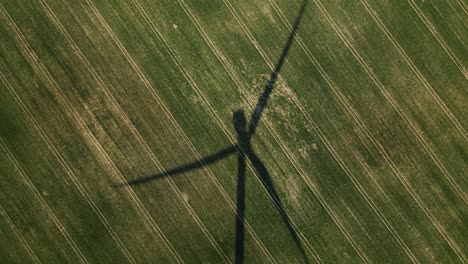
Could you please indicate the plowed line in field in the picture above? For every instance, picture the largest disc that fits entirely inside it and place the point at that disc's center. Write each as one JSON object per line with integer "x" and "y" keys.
{"x": 302, "y": 237}
{"x": 374, "y": 15}
{"x": 145, "y": 145}
{"x": 216, "y": 118}
{"x": 114, "y": 102}
{"x": 49, "y": 143}
{"x": 462, "y": 6}
{"x": 69, "y": 172}
{"x": 236, "y": 80}
{"x": 321, "y": 70}
{"x": 194, "y": 86}
{"x": 455, "y": 13}
{"x": 84, "y": 131}
{"x": 439, "y": 39}
{"x": 349, "y": 174}
{"x": 229, "y": 70}
{"x": 356, "y": 219}
{"x": 355, "y": 116}
{"x": 42, "y": 202}
{"x": 394, "y": 104}
{"x": 17, "y": 232}
{"x": 415, "y": 70}
{"x": 391, "y": 100}
{"x": 414, "y": 129}
{"x": 140, "y": 138}
{"x": 404, "y": 181}
{"x": 389, "y": 201}
{"x": 102, "y": 218}
{"x": 266, "y": 59}
{"x": 387, "y": 198}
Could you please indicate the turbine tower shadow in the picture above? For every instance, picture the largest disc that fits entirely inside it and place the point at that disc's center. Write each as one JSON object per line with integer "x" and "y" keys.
{"x": 245, "y": 152}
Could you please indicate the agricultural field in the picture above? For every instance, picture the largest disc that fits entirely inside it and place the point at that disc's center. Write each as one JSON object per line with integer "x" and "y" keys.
{"x": 233, "y": 131}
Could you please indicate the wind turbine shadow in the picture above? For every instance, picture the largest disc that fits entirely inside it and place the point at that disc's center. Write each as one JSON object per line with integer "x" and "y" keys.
{"x": 244, "y": 152}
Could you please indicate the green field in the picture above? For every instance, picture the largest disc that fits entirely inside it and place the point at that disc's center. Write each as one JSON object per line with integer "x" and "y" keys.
{"x": 364, "y": 135}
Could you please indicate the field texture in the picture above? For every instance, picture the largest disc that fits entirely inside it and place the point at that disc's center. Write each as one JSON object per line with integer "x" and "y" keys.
{"x": 360, "y": 154}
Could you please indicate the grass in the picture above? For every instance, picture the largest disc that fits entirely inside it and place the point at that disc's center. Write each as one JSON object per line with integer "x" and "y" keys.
{"x": 364, "y": 135}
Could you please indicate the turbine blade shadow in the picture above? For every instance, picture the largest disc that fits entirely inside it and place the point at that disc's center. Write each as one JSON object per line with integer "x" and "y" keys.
{"x": 240, "y": 210}
{"x": 263, "y": 99}
{"x": 184, "y": 168}
{"x": 265, "y": 178}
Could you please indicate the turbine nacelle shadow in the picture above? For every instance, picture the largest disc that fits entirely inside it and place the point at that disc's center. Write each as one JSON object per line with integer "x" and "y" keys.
{"x": 240, "y": 123}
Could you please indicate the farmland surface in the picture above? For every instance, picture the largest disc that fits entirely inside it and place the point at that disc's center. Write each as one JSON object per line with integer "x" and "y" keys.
{"x": 364, "y": 135}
